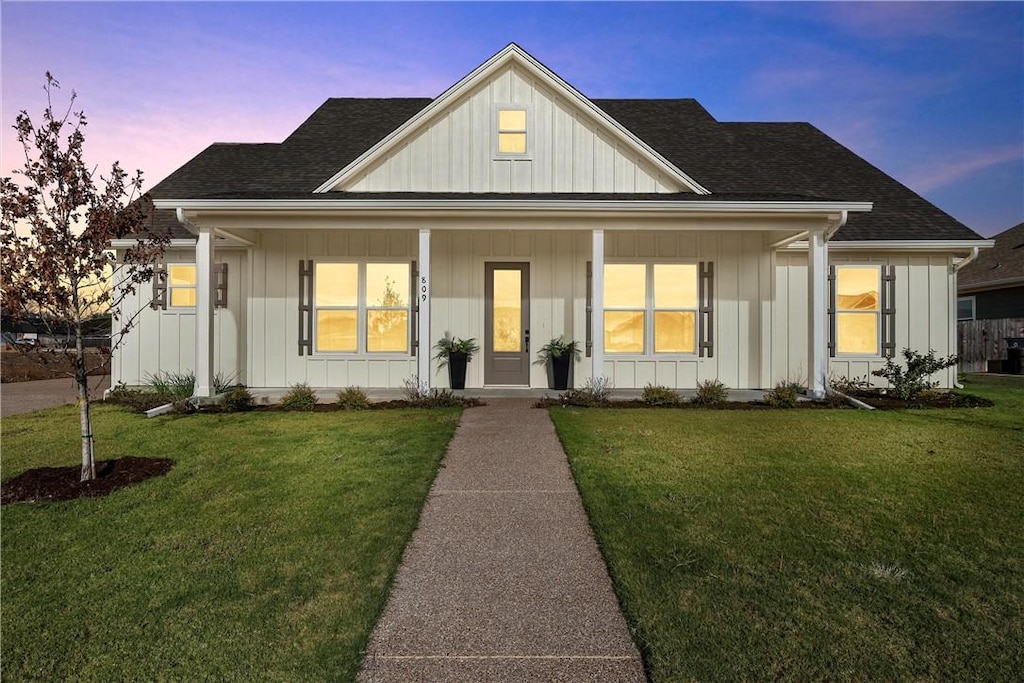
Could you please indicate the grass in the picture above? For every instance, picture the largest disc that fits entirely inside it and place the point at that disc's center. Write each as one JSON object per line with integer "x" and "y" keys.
{"x": 265, "y": 554}
{"x": 812, "y": 544}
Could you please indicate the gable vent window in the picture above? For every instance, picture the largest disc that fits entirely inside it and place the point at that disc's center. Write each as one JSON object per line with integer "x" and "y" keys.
{"x": 511, "y": 131}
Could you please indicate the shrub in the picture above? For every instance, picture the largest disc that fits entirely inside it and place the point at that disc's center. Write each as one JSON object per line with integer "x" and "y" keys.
{"x": 850, "y": 385}
{"x": 657, "y": 395}
{"x": 174, "y": 386}
{"x": 137, "y": 400}
{"x": 710, "y": 392}
{"x": 784, "y": 394}
{"x": 353, "y": 398}
{"x": 594, "y": 393}
{"x": 300, "y": 397}
{"x": 908, "y": 384}
{"x": 238, "y": 399}
{"x": 419, "y": 396}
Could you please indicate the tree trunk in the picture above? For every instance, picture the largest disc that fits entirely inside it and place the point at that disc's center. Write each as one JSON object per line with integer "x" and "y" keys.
{"x": 84, "y": 416}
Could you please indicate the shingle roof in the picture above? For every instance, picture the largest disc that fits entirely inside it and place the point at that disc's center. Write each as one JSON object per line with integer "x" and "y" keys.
{"x": 1004, "y": 261}
{"x": 751, "y": 160}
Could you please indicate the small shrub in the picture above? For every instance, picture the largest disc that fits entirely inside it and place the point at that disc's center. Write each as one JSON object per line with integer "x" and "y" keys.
{"x": 175, "y": 386}
{"x": 137, "y": 400}
{"x": 595, "y": 393}
{"x": 784, "y": 394}
{"x": 420, "y": 396}
{"x": 223, "y": 383}
{"x": 850, "y": 385}
{"x": 353, "y": 398}
{"x": 711, "y": 392}
{"x": 300, "y": 397}
{"x": 908, "y": 384}
{"x": 657, "y": 395}
{"x": 238, "y": 399}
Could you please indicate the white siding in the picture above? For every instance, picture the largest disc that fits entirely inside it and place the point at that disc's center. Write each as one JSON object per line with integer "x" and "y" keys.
{"x": 164, "y": 340}
{"x": 924, "y": 314}
{"x": 567, "y": 150}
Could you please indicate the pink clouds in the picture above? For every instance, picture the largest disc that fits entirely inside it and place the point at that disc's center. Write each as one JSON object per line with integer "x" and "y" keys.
{"x": 943, "y": 172}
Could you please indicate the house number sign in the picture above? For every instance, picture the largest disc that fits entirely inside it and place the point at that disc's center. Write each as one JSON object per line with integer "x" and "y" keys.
{"x": 423, "y": 288}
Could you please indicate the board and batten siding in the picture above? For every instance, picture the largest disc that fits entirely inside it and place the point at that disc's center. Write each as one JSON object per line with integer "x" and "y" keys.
{"x": 925, "y": 314}
{"x": 164, "y": 341}
{"x": 567, "y": 149}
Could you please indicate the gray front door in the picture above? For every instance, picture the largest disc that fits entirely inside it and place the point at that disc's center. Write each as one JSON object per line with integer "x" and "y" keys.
{"x": 507, "y": 324}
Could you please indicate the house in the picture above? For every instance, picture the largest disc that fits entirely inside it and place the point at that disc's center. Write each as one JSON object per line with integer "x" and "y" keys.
{"x": 992, "y": 286}
{"x": 990, "y": 305}
{"x": 513, "y": 209}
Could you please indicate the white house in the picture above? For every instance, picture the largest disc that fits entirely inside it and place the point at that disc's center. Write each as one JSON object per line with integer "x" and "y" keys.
{"x": 513, "y": 209}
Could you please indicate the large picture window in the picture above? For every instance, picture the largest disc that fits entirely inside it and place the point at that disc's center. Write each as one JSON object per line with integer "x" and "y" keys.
{"x": 361, "y": 307}
{"x": 650, "y": 308}
{"x": 858, "y": 310}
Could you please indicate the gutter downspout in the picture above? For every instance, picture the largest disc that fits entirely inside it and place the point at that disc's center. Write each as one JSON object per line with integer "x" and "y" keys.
{"x": 954, "y": 269}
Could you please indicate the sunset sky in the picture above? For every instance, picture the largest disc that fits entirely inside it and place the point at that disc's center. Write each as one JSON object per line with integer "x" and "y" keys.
{"x": 932, "y": 93}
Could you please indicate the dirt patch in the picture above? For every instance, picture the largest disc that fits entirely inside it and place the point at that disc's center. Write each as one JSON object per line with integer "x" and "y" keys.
{"x": 43, "y": 363}
{"x": 50, "y": 484}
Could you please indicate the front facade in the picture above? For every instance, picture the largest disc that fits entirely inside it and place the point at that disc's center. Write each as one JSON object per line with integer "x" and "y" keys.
{"x": 514, "y": 210}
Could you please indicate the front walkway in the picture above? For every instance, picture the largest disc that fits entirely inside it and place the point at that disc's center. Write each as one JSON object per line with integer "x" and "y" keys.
{"x": 502, "y": 580}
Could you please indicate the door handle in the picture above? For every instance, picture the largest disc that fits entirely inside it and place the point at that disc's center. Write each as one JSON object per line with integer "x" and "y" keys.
{"x": 527, "y": 341}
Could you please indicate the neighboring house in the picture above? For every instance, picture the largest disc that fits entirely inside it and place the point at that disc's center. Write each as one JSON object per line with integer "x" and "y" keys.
{"x": 992, "y": 286}
{"x": 990, "y": 304}
{"x": 513, "y": 209}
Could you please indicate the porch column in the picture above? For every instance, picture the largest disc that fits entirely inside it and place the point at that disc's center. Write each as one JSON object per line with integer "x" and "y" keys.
{"x": 817, "y": 274}
{"x": 597, "y": 302}
{"x": 423, "y": 301}
{"x": 204, "y": 313}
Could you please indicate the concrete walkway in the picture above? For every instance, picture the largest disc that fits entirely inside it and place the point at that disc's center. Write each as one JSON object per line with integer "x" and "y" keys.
{"x": 24, "y": 397}
{"x": 502, "y": 580}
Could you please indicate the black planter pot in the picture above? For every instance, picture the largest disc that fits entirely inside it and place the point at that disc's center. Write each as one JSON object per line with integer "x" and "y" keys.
{"x": 457, "y": 361}
{"x": 560, "y": 371}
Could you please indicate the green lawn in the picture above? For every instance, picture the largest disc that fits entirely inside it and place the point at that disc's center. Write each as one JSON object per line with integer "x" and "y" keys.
{"x": 265, "y": 554}
{"x": 840, "y": 545}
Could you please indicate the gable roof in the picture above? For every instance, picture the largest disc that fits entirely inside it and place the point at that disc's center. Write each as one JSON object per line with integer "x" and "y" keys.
{"x": 1002, "y": 265}
{"x": 744, "y": 161}
{"x": 511, "y": 56}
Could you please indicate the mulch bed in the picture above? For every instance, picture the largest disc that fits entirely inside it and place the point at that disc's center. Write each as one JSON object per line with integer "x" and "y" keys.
{"x": 876, "y": 400}
{"x": 51, "y": 484}
{"x": 938, "y": 399}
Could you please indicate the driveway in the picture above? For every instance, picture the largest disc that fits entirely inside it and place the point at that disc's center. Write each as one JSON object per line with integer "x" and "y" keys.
{"x": 24, "y": 397}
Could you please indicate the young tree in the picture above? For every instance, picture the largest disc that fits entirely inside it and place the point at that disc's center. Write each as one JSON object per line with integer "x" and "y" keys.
{"x": 56, "y": 232}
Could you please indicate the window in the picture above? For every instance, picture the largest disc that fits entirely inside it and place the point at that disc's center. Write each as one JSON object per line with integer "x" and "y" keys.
{"x": 511, "y": 131}
{"x": 858, "y": 310}
{"x": 650, "y": 308}
{"x": 181, "y": 284}
{"x": 361, "y": 307}
{"x": 965, "y": 308}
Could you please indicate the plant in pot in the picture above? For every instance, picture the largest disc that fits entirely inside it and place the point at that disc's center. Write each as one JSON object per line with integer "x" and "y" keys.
{"x": 456, "y": 354}
{"x": 559, "y": 354}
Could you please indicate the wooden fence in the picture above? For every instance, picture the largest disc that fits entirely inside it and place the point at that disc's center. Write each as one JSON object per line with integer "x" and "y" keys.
{"x": 981, "y": 341}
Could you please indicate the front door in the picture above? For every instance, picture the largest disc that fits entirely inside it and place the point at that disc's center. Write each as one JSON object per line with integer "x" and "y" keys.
{"x": 506, "y": 324}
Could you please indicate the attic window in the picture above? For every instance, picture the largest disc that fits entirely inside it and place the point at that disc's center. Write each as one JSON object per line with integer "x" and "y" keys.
{"x": 511, "y": 131}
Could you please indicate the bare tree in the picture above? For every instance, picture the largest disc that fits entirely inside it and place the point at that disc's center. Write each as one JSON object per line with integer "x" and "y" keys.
{"x": 57, "y": 227}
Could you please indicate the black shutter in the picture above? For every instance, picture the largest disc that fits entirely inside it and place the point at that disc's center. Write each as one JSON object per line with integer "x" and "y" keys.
{"x": 220, "y": 285}
{"x": 706, "y": 315}
{"x": 414, "y": 316}
{"x": 832, "y": 311}
{"x": 305, "y": 307}
{"x": 159, "y": 300}
{"x": 888, "y": 311}
{"x": 590, "y": 308}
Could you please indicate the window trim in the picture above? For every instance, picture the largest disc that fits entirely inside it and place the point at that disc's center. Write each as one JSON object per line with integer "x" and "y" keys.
{"x": 497, "y": 130}
{"x": 361, "y": 308}
{"x": 171, "y": 286}
{"x": 650, "y": 310}
{"x": 877, "y": 312}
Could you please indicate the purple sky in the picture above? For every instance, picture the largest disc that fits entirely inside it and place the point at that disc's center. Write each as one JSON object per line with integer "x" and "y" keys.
{"x": 932, "y": 93}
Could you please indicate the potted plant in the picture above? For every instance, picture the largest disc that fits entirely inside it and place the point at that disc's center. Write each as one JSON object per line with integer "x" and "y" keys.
{"x": 456, "y": 354}
{"x": 559, "y": 355}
